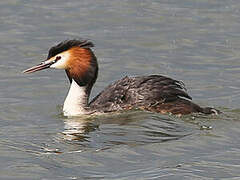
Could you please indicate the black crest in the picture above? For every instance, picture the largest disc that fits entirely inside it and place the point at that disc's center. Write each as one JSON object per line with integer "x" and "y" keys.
{"x": 67, "y": 44}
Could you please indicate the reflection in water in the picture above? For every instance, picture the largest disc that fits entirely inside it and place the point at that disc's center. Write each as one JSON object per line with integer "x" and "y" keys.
{"x": 78, "y": 128}
{"x": 129, "y": 128}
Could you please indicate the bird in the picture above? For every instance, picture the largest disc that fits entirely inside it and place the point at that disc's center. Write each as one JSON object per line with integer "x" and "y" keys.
{"x": 154, "y": 93}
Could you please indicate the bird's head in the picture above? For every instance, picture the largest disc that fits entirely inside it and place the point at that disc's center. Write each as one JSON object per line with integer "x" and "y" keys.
{"x": 75, "y": 57}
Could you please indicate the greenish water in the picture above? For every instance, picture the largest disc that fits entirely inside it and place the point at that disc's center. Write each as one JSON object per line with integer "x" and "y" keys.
{"x": 194, "y": 41}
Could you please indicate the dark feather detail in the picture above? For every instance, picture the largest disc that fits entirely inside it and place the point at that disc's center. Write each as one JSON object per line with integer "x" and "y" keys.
{"x": 137, "y": 92}
{"x": 68, "y": 44}
{"x": 154, "y": 93}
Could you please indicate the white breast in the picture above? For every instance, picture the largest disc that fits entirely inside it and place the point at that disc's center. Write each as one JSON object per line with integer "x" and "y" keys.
{"x": 76, "y": 100}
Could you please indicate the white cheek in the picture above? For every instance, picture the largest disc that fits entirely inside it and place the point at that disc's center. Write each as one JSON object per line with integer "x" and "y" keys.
{"x": 62, "y": 63}
{"x": 59, "y": 65}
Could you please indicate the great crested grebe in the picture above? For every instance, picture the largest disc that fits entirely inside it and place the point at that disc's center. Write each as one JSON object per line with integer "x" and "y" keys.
{"x": 154, "y": 93}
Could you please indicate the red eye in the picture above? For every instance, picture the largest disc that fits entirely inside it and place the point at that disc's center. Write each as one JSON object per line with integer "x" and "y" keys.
{"x": 58, "y": 58}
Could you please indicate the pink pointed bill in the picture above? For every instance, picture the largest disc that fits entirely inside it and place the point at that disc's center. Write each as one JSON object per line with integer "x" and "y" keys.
{"x": 38, "y": 67}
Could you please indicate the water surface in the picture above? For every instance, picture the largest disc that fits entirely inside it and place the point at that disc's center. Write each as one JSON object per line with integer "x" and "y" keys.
{"x": 194, "y": 41}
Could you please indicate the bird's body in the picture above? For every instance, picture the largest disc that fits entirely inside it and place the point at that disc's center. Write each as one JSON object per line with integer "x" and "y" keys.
{"x": 155, "y": 93}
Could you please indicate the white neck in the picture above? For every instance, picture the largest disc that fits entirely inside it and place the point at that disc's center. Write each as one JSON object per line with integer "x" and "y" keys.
{"x": 76, "y": 100}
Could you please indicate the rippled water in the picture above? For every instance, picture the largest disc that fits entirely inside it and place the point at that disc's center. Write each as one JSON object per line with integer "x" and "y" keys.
{"x": 194, "y": 41}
